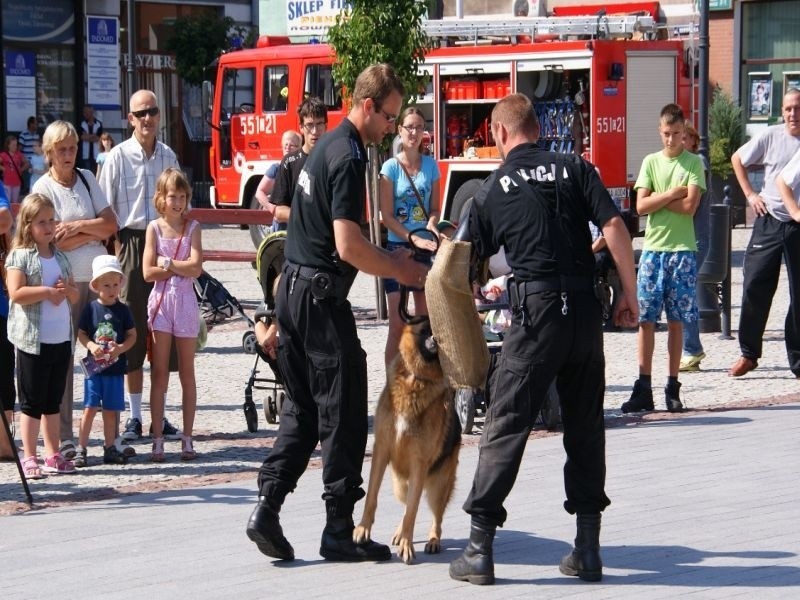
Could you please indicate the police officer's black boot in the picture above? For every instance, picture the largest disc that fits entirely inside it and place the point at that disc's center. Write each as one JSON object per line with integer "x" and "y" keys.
{"x": 264, "y": 528}
{"x": 584, "y": 560}
{"x": 337, "y": 539}
{"x": 476, "y": 564}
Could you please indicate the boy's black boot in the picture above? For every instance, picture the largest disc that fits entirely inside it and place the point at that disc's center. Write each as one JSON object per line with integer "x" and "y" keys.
{"x": 584, "y": 560}
{"x": 264, "y": 528}
{"x": 672, "y": 393}
{"x": 337, "y": 539}
{"x": 641, "y": 399}
{"x": 476, "y": 564}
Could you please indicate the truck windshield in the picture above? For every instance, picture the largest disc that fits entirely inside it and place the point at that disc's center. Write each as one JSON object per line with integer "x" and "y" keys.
{"x": 238, "y": 92}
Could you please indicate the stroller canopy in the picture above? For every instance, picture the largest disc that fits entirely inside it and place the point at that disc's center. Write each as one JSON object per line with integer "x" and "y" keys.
{"x": 269, "y": 262}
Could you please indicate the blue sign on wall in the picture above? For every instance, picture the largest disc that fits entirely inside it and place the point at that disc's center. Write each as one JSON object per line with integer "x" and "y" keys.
{"x": 51, "y": 22}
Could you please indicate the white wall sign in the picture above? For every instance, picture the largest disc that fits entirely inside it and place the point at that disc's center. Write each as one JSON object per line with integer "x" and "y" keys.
{"x": 102, "y": 62}
{"x": 312, "y": 17}
{"x": 20, "y": 88}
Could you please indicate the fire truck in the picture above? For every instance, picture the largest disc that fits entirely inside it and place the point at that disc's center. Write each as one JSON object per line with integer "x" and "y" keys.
{"x": 597, "y": 82}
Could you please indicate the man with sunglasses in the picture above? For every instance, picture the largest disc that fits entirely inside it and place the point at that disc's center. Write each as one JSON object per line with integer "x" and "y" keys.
{"x": 128, "y": 179}
{"x": 313, "y": 123}
{"x": 320, "y": 355}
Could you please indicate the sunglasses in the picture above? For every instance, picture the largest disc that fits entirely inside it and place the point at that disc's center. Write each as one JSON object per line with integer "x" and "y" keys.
{"x": 150, "y": 112}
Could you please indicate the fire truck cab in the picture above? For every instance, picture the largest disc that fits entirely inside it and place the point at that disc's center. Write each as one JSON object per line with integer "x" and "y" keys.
{"x": 597, "y": 83}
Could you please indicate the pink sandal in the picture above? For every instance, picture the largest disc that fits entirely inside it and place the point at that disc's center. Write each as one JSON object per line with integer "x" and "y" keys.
{"x": 188, "y": 453}
{"x": 31, "y": 468}
{"x": 157, "y": 455}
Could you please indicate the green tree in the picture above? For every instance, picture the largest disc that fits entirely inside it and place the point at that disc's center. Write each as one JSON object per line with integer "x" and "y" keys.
{"x": 375, "y": 31}
{"x": 197, "y": 40}
{"x": 725, "y": 132}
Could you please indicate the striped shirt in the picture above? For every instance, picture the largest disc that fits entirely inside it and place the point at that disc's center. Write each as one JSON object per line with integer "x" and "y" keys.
{"x": 24, "y": 320}
{"x": 128, "y": 179}
{"x": 26, "y": 139}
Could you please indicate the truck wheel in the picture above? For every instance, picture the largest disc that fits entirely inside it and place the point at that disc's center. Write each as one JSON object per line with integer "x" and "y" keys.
{"x": 464, "y": 193}
{"x": 257, "y": 232}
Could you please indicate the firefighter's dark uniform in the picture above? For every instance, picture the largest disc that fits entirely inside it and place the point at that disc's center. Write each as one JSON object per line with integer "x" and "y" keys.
{"x": 537, "y": 205}
{"x": 320, "y": 356}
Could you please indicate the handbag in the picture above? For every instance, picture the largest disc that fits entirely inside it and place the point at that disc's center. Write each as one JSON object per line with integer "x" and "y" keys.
{"x": 150, "y": 334}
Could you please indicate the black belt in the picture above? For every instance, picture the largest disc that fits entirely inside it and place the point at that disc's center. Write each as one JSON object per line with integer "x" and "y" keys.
{"x": 566, "y": 283}
{"x": 307, "y": 273}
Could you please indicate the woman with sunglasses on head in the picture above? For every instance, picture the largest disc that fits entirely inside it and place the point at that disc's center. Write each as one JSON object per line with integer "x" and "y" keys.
{"x": 409, "y": 197}
{"x": 84, "y": 220}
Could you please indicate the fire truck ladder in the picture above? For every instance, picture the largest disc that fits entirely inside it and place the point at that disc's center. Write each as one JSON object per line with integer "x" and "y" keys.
{"x": 600, "y": 26}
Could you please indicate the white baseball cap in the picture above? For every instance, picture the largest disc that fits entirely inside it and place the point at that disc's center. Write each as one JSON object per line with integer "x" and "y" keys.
{"x": 105, "y": 263}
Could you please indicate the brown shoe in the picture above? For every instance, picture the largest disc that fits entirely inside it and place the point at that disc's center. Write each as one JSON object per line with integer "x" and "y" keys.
{"x": 742, "y": 366}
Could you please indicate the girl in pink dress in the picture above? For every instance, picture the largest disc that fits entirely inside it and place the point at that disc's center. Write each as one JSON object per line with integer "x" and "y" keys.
{"x": 173, "y": 258}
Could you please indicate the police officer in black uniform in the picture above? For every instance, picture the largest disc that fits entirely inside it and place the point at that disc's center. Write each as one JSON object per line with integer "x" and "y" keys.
{"x": 537, "y": 205}
{"x": 320, "y": 356}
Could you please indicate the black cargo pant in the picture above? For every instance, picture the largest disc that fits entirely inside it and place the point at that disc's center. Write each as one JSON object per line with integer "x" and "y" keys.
{"x": 771, "y": 240}
{"x": 549, "y": 345}
{"x": 325, "y": 375}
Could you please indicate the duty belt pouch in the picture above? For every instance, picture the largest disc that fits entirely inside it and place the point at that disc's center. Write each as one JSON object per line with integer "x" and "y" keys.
{"x": 602, "y": 291}
{"x": 322, "y": 286}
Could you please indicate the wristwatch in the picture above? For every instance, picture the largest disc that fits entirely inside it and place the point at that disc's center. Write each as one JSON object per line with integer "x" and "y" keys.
{"x": 167, "y": 263}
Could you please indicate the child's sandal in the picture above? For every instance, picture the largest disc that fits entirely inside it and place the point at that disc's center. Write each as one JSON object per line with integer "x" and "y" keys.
{"x": 188, "y": 453}
{"x": 30, "y": 466}
{"x": 157, "y": 455}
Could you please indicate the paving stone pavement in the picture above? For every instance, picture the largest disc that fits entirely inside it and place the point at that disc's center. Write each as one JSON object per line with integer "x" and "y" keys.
{"x": 228, "y": 453}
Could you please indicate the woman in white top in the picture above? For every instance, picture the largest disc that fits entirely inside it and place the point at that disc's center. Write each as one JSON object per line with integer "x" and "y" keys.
{"x": 84, "y": 219}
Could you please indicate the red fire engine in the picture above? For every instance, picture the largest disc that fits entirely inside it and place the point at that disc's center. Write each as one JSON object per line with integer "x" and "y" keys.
{"x": 597, "y": 82}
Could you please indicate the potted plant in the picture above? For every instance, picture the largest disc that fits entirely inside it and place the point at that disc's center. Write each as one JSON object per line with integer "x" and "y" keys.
{"x": 726, "y": 135}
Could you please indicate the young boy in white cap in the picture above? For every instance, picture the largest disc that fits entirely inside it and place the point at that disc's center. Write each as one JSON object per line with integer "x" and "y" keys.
{"x": 107, "y": 331}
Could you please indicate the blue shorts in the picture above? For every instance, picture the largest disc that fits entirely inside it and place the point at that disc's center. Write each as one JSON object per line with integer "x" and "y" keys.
{"x": 104, "y": 391}
{"x": 668, "y": 281}
{"x": 390, "y": 285}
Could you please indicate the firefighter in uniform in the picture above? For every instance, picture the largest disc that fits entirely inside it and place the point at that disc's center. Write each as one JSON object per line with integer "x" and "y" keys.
{"x": 536, "y": 206}
{"x": 319, "y": 354}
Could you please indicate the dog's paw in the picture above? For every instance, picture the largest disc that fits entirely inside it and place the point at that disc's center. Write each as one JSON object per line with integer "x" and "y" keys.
{"x": 434, "y": 546}
{"x": 361, "y": 534}
{"x": 397, "y": 536}
{"x": 405, "y": 551}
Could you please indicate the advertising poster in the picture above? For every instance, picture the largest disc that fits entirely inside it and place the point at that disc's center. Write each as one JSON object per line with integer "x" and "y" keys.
{"x": 55, "y": 85}
{"x": 760, "y": 96}
{"x": 791, "y": 79}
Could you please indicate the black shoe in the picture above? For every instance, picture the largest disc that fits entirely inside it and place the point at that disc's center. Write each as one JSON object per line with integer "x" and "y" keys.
{"x": 584, "y": 560}
{"x": 641, "y": 399}
{"x": 168, "y": 430}
{"x": 264, "y": 528}
{"x": 476, "y": 564}
{"x": 112, "y": 456}
{"x": 337, "y": 544}
{"x": 672, "y": 395}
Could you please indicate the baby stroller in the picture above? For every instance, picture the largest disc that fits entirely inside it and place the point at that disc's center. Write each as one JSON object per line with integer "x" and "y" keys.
{"x": 215, "y": 302}
{"x": 269, "y": 262}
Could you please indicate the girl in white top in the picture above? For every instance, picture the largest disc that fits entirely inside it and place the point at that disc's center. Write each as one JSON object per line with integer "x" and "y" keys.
{"x": 40, "y": 291}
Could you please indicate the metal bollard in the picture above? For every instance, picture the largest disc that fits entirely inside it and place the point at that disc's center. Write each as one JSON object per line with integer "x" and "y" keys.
{"x": 715, "y": 268}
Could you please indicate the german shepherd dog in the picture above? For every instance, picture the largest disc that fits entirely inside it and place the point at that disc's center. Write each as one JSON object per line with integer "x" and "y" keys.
{"x": 417, "y": 432}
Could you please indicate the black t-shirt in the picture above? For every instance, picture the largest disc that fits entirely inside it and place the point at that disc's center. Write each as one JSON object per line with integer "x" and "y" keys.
{"x": 331, "y": 185}
{"x": 107, "y": 323}
{"x": 288, "y": 172}
{"x": 509, "y": 212}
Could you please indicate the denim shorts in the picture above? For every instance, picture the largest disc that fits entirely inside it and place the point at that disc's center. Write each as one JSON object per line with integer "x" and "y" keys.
{"x": 668, "y": 281}
{"x": 390, "y": 285}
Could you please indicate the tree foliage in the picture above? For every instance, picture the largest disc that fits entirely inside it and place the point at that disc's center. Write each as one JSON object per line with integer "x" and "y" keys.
{"x": 725, "y": 132}
{"x": 375, "y": 31}
{"x": 197, "y": 40}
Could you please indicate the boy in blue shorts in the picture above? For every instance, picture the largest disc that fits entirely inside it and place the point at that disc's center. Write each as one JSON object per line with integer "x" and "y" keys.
{"x": 107, "y": 331}
{"x": 668, "y": 191}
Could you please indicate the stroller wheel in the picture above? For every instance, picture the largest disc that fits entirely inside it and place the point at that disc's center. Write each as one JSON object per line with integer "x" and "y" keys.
{"x": 465, "y": 408}
{"x": 271, "y": 410}
{"x": 281, "y": 398}
{"x": 249, "y": 342}
{"x": 250, "y": 415}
